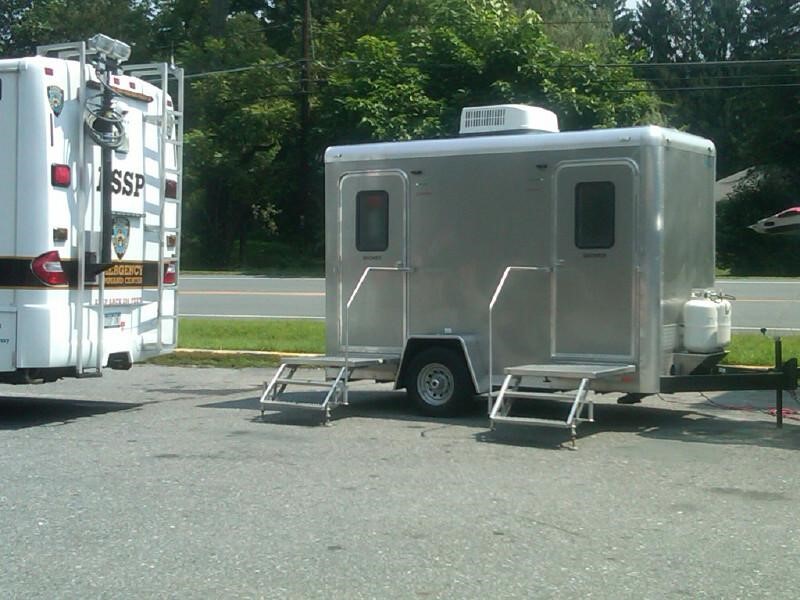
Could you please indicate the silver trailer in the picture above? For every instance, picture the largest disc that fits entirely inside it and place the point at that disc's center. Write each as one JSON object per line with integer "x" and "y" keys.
{"x": 527, "y": 262}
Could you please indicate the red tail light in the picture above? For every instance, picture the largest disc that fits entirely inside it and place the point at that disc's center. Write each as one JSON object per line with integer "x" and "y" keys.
{"x": 170, "y": 273}
{"x": 171, "y": 188}
{"x": 47, "y": 267}
{"x": 60, "y": 175}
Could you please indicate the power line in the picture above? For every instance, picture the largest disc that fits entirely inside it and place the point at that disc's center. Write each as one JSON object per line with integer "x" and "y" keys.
{"x": 705, "y": 88}
{"x": 287, "y": 64}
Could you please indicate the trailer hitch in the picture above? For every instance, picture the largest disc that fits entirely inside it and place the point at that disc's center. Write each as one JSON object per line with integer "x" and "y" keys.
{"x": 781, "y": 377}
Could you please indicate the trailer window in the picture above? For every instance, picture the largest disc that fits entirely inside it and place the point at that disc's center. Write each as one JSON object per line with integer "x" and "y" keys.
{"x": 594, "y": 214}
{"x": 372, "y": 221}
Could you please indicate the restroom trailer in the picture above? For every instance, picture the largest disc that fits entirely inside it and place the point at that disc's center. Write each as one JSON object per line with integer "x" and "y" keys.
{"x": 519, "y": 262}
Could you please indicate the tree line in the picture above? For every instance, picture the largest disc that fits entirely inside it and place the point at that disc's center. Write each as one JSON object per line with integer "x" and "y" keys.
{"x": 272, "y": 83}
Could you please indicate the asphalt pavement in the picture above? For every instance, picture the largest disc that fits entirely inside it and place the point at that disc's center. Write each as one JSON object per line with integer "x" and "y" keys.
{"x": 164, "y": 482}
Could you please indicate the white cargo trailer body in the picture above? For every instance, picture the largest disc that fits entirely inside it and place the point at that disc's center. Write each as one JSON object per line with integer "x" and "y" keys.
{"x": 451, "y": 263}
{"x": 62, "y": 312}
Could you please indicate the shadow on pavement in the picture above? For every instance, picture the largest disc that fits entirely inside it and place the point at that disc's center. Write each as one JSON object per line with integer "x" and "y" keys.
{"x": 687, "y": 423}
{"x": 19, "y": 413}
{"x": 681, "y": 425}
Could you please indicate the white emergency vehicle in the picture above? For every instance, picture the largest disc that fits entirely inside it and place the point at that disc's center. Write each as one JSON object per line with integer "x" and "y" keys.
{"x": 90, "y": 210}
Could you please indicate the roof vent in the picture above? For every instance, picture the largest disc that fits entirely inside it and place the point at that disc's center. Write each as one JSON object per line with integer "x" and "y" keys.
{"x": 507, "y": 118}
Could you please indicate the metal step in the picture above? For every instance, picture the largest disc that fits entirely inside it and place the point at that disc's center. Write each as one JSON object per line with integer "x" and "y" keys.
{"x": 532, "y": 421}
{"x": 159, "y": 229}
{"x": 509, "y": 392}
{"x": 539, "y": 395}
{"x": 335, "y": 361}
{"x": 334, "y": 389}
{"x": 285, "y": 403}
{"x": 571, "y": 370}
{"x": 306, "y": 382}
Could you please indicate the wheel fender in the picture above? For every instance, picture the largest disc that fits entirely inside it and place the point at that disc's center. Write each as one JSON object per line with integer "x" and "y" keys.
{"x": 417, "y": 344}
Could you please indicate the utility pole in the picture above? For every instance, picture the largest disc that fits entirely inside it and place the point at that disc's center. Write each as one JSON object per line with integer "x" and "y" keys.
{"x": 304, "y": 171}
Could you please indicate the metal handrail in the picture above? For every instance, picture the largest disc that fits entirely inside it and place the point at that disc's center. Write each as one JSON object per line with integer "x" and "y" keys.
{"x": 353, "y": 295}
{"x": 493, "y": 301}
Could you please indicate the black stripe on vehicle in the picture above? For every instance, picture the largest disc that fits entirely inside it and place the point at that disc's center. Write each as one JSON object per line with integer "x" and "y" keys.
{"x": 17, "y": 273}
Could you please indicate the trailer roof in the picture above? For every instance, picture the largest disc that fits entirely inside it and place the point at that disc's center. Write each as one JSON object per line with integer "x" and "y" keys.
{"x": 650, "y": 135}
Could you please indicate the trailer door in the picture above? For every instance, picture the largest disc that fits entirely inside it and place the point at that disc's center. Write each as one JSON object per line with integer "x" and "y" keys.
{"x": 372, "y": 233}
{"x": 594, "y": 296}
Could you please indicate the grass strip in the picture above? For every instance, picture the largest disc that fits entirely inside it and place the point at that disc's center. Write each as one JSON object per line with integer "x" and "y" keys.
{"x": 307, "y": 336}
{"x": 759, "y": 350}
{"x": 276, "y": 335}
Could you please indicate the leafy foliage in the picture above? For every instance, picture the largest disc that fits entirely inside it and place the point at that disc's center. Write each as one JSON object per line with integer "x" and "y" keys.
{"x": 234, "y": 140}
{"x": 402, "y": 69}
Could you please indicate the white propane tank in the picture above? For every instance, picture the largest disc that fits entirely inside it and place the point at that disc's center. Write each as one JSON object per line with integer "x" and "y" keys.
{"x": 723, "y": 321}
{"x": 700, "y": 322}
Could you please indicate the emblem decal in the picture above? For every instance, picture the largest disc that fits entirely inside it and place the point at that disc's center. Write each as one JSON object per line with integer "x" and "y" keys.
{"x": 56, "y": 97}
{"x": 120, "y": 228}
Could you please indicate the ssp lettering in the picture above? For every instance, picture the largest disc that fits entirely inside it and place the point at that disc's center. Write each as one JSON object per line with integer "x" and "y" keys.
{"x": 126, "y": 183}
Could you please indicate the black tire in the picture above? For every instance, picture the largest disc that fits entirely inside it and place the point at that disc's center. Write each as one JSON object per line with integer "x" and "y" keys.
{"x": 438, "y": 382}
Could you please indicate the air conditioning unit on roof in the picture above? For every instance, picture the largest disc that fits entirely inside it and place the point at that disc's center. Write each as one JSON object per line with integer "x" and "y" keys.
{"x": 507, "y": 118}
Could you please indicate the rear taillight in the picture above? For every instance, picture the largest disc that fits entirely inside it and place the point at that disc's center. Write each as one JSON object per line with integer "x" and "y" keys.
{"x": 170, "y": 273}
{"x": 171, "y": 188}
{"x": 47, "y": 267}
{"x": 60, "y": 175}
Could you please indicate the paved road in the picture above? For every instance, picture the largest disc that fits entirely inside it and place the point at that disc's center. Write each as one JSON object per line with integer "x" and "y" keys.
{"x": 165, "y": 483}
{"x": 252, "y": 297}
{"x": 774, "y": 304}
{"x": 770, "y": 303}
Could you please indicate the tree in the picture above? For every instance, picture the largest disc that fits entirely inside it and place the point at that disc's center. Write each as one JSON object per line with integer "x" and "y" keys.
{"x": 379, "y": 70}
{"x": 53, "y": 21}
{"x": 241, "y": 120}
{"x": 470, "y": 52}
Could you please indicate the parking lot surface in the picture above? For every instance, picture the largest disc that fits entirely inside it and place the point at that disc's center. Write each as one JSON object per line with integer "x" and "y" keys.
{"x": 165, "y": 482}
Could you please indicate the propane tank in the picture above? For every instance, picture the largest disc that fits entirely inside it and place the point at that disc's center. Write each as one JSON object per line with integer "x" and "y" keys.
{"x": 700, "y": 323}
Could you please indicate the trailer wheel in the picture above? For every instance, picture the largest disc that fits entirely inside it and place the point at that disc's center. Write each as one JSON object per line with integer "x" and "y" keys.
{"x": 438, "y": 382}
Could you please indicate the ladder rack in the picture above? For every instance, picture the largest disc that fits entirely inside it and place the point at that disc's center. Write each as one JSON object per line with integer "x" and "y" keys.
{"x": 77, "y": 51}
{"x": 170, "y": 113}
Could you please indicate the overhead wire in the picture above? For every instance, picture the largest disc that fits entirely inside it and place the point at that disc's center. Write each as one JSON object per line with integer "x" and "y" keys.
{"x": 744, "y": 84}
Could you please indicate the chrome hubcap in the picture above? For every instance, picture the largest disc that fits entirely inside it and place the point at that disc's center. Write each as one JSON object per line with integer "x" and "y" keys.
{"x": 435, "y": 384}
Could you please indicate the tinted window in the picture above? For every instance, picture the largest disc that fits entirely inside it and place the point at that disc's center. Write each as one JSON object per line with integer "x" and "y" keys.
{"x": 594, "y": 214}
{"x": 372, "y": 221}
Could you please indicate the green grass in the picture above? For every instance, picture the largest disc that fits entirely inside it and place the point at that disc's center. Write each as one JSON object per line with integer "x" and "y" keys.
{"x": 290, "y": 335}
{"x": 305, "y": 336}
{"x": 758, "y": 350}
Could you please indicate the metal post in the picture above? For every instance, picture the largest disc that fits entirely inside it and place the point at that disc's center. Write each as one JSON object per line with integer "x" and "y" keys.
{"x": 353, "y": 295}
{"x": 106, "y": 152}
{"x": 779, "y": 388}
{"x": 492, "y": 303}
